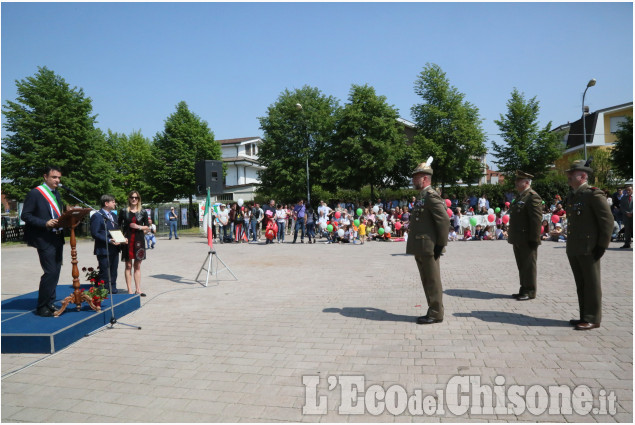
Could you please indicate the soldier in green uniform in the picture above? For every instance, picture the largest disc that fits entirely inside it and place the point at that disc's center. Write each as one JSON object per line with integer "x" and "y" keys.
{"x": 590, "y": 224}
{"x": 427, "y": 237}
{"x": 525, "y": 218}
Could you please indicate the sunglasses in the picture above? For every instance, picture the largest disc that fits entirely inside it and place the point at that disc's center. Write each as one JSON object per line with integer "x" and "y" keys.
{"x": 134, "y": 197}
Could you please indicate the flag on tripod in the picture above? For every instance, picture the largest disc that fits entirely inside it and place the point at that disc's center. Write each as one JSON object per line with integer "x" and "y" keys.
{"x": 207, "y": 221}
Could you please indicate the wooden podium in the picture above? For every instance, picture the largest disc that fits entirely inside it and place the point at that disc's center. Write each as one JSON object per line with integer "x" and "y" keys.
{"x": 70, "y": 219}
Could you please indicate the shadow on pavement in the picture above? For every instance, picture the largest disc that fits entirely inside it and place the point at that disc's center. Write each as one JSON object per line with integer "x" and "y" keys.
{"x": 370, "y": 313}
{"x": 471, "y": 293}
{"x": 173, "y": 278}
{"x": 513, "y": 318}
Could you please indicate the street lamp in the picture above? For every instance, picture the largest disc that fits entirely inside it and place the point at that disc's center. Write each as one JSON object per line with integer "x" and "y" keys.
{"x": 298, "y": 106}
{"x": 591, "y": 83}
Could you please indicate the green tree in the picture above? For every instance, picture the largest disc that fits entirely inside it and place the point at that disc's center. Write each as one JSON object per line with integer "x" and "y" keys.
{"x": 292, "y": 134}
{"x": 51, "y": 123}
{"x": 448, "y": 129}
{"x": 131, "y": 159}
{"x": 369, "y": 143}
{"x": 185, "y": 140}
{"x": 526, "y": 147}
{"x": 622, "y": 156}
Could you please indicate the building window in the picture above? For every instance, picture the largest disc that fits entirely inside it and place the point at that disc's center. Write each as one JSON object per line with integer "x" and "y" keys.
{"x": 248, "y": 149}
{"x": 615, "y": 122}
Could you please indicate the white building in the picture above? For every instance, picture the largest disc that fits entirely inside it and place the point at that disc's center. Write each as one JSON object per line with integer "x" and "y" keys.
{"x": 241, "y": 157}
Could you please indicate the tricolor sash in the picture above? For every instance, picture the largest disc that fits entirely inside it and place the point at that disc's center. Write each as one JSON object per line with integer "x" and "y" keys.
{"x": 52, "y": 200}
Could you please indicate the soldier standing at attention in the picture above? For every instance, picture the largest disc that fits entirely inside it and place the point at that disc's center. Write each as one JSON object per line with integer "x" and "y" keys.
{"x": 428, "y": 235}
{"x": 588, "y": 235}
{"x": 524, "y": 234}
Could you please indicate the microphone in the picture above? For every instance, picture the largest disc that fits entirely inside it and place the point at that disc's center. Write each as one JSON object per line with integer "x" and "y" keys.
{"x": 66, "y": 188}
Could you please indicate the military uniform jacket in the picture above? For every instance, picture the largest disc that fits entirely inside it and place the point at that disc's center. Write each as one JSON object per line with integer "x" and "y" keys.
{"x": 429, "y": 224}
{"x": 525, "y": 219}
{"x": 590, "y": 222}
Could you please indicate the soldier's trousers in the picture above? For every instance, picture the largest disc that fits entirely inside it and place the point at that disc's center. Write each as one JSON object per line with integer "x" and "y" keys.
{"x": 430, "y": 273}
{"x": 526, "y": 258}
{"x": 586, "y": 273}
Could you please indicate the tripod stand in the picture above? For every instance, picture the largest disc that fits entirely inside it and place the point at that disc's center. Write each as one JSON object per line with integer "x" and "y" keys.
{"x": 210, "y": 267}
{"x": 113, "y": 318}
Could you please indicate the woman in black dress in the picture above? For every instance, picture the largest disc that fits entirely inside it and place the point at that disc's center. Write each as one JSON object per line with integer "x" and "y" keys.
{"x": 133, "y": 222}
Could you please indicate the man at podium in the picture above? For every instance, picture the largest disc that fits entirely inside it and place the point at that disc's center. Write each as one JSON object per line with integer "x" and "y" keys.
{"x": 42, "y": 207}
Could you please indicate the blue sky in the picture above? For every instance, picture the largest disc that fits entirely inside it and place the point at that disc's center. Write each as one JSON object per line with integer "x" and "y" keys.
{"x": 230, "y": 61}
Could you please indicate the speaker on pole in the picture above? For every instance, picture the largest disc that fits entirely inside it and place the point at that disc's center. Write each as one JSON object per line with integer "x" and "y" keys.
{"x": 209, "y": 173}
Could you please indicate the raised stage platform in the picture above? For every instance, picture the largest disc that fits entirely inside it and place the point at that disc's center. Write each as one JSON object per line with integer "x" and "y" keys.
{"x": 23, "y": 331}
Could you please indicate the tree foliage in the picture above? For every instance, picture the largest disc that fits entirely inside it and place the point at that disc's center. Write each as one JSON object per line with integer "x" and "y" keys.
{"x": 51, "y": 123}
{"x": 290, "y": 136}
{"x": 369, "y": 144}
{"x": 448, "y": 129}
{"x": 527, "y": 147}
{"x": 131, "y": 160}
{"x": 622, "y": 156}
{"x": 185, "y": 140}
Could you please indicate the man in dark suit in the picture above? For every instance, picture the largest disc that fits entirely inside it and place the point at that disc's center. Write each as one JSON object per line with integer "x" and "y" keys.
{"x": 106, "y": 249}
{"x": 427, "y": 237}
{"x": 626, "y": 208}
{"x": 525, "y": 219}
{"x": 42, "y": 207}
{"x": 590, "y": 224}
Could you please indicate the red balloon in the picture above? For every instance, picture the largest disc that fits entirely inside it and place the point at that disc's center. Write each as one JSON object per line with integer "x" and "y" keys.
{"x": 555, "y": 219}
{"x": 491, "y": 218}
{"x": 397, "y": 225}
{"x": 449, "y": 211}
{"x": 507, "y": 204}
{"x": 447, "y": 203}
{"x": 337, "y": 214}
{"x": 505, "y": 219}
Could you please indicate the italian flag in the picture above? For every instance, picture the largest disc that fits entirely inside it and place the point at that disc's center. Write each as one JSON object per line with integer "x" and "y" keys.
{"x": 207, "y": 220}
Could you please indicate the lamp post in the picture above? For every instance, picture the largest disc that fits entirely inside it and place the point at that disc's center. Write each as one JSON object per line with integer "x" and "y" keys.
{"x": 298, "y": 106}
{"x": 591, "y": 83}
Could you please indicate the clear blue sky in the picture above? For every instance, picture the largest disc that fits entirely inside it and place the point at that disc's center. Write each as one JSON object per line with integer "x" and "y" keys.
{"x": 230, "y": 61}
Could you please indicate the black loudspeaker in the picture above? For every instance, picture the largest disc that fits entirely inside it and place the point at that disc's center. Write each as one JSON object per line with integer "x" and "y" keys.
{"x": 209, "y": 173}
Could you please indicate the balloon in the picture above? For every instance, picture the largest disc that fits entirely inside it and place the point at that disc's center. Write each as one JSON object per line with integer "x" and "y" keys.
{"x": 340, "y": 233}
{"x": 356, "y": 222}
{"x": 387, "y": 229}
{"x": 491, "y": 218}
{"x": 269, "y": 213}
{"x": 375, "y": 209}
{"x": 490, "y": 211}
{"x": 555, "y": 219}
{"x": 505, "y": 219}
{"x": 543, "y": 202}
{"x": 322, "y": 225}
{"x": 240, "y": 202}
{"x": 507, "y": 204}
{"x": 359, "y": 211}
{"x": 329, "y": 227}
{"x": 448, "y": 203}
{"x": 398, "y": 225}
{"x": 473, "y": 221}
{"x": 381, "y": 231}
{"x": 449, "y": 211}
{"x": 497, "y": 210}
{"x": 338, "y": 214}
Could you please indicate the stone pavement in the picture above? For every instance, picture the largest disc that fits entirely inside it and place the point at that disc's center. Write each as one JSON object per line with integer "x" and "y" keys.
{"x": 237, "y": 351}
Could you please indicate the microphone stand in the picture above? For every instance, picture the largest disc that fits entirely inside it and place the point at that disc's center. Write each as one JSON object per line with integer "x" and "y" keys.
{"x": 113, "y": 318}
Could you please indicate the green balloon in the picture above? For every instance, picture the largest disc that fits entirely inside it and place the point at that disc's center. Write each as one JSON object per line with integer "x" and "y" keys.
{"x": 473, "y": 221}
{"x": 359, "y": 212}
{"x": 497, "y": 210}
{"x": 381, "y": 231}
{"x": 356, "y": 222}
{"x": 329, "y": 227}
{"x": 543, "y": 202}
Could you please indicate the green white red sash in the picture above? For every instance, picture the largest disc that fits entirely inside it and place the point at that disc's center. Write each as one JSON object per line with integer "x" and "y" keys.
{"x": 52, "y": 200}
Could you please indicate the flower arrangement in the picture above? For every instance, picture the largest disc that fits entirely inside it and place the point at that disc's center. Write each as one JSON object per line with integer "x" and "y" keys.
{"x": 98, "y": 291}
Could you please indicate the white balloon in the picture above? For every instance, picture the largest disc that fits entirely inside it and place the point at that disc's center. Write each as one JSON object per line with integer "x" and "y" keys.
{"x": 240, "y": 202}
{"x": 375, "y": 209}
{"x": 387, "y": 229}
{"x": 490, "y": 211}
{"x": 340, "y": 233}
{"x": 323, "y": 225}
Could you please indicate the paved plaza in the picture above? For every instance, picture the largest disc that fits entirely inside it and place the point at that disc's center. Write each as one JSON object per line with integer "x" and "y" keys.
{"x": 237, "y": 351}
